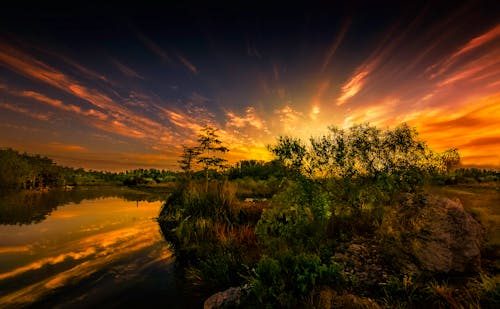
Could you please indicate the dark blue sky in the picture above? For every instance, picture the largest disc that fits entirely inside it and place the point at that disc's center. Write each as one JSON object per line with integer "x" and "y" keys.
{"x": 122, "y": 86}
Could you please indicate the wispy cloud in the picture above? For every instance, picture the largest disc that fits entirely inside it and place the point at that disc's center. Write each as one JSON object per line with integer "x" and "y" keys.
{"x": 380, "y": 113}
{"x": 125, "y": 70}
{"x": 392, "y": 40}
{"x": 66, "y": 147}
{"x": 483, "y": 67}
{"x": 187, "y": 64}
{"x": 124, "y": 121}
{"x": 353, "y": 86}
{"x": 55, "y": 103}
{"x": 335, "y": 45}
{"x": 152, "y": 46}
{"x": 25, "y": 111}
{"x": 473, "y": 44}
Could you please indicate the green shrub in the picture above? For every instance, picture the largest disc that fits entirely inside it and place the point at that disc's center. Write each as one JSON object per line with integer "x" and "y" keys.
{"x": 297, "y": 218}
{"x": 289, "y": 278}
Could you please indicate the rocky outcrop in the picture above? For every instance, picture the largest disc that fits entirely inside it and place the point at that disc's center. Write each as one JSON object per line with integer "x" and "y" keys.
{"x": 362, "y": 261}
{"x": 230, "y": 298}
{"x": 432, "y": 233}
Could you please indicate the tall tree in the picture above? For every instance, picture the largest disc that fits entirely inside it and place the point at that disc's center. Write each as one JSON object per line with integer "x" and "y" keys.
{"x": 210, "y": 151}
{"x": 188, "y": 157}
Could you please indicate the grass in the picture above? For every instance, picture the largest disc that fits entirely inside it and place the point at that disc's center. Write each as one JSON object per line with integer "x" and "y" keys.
{"x": 212, "y": 233}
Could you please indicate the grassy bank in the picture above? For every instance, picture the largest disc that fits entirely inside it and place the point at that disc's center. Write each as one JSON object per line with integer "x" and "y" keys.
{"x": 293, "y": 252}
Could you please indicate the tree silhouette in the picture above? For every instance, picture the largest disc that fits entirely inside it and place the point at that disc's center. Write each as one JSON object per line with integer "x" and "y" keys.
{"x": 188, "y": 156}
{"x": 209, "y": 151}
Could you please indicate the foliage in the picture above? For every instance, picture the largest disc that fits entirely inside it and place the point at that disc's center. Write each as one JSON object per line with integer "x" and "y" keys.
{"x": 257, "y": 188}
{"x": 209, "y": 150}
{"x": 256, "y": 170}
{"x": 210, "y": 232}
{"x": 23, "y": 171}
{"x": 362, "y": 168}
{"x": 188, "y": 157}
{"x": 360, "y": 151}
{"x": 288, "y": 278}
{"x": 297, "y": 219}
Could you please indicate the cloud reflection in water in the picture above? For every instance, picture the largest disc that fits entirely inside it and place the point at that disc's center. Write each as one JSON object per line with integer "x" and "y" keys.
{"x": 107, "y": 237}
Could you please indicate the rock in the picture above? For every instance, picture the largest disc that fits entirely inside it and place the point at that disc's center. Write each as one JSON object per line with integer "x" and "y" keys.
{"x": 432, "y": 233}
{"x": 327, "y": 298}
{"x": 230, "y": 298}
{"x": 362, "y": 261}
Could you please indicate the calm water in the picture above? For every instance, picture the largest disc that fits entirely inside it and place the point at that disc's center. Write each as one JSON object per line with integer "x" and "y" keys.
{"x": 83, "y": 249}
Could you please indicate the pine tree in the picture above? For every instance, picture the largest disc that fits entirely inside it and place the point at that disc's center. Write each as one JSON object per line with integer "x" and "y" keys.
{"x": 209, "y": 151}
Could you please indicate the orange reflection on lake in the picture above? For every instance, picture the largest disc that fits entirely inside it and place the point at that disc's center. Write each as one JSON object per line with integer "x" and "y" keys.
{"x": 97, "y": 244}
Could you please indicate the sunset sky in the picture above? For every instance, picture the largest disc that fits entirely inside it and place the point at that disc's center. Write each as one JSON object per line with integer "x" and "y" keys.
{"x": 122, "y": 87}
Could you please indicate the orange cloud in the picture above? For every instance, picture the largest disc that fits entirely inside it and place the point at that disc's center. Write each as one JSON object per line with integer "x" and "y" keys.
{"x": 25, "y": 111}
{"x": 352, "y": 87}
{"x": 126, "y": 123}
{"x": 250, "y": 119}
{"x": 379, "y": 114}
{"x": 66, "y": 147}
{"x": 473, "y": 129}
{"x": 484, "y": 67}
{"x": 474, "y": 43}
{"x": 56, "y": 103}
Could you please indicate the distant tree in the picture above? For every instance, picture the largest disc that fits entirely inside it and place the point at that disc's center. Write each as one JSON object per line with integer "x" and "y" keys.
{"x": 450, "y": 159}
{"x": 210, "y": 148}
{"x": 187, "y": 160}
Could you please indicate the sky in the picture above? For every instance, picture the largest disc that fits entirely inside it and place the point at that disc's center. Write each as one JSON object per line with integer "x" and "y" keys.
{"x": 121, "y": 87}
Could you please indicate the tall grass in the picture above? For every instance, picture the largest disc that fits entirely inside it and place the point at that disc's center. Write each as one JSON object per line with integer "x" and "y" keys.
{"x": 211, "y": 233}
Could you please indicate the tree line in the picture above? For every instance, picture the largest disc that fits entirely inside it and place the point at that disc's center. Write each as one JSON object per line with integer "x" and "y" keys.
{"x": 22, "y": 171}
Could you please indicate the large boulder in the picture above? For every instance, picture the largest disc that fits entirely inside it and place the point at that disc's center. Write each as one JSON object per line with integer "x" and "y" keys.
{"x": 433, "y": 234}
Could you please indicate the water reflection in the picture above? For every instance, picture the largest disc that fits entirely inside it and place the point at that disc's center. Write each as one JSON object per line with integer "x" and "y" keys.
{"x": 28, "y": 207}
{"x": 106, "y": 250}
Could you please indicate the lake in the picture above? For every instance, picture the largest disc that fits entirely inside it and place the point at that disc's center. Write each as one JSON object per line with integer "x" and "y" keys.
{"x": 84, "y": 248}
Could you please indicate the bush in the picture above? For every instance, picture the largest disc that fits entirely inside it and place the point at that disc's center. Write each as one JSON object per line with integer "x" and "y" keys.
{"x": 298, "y": 218}
{"x": 289, "y": 278}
